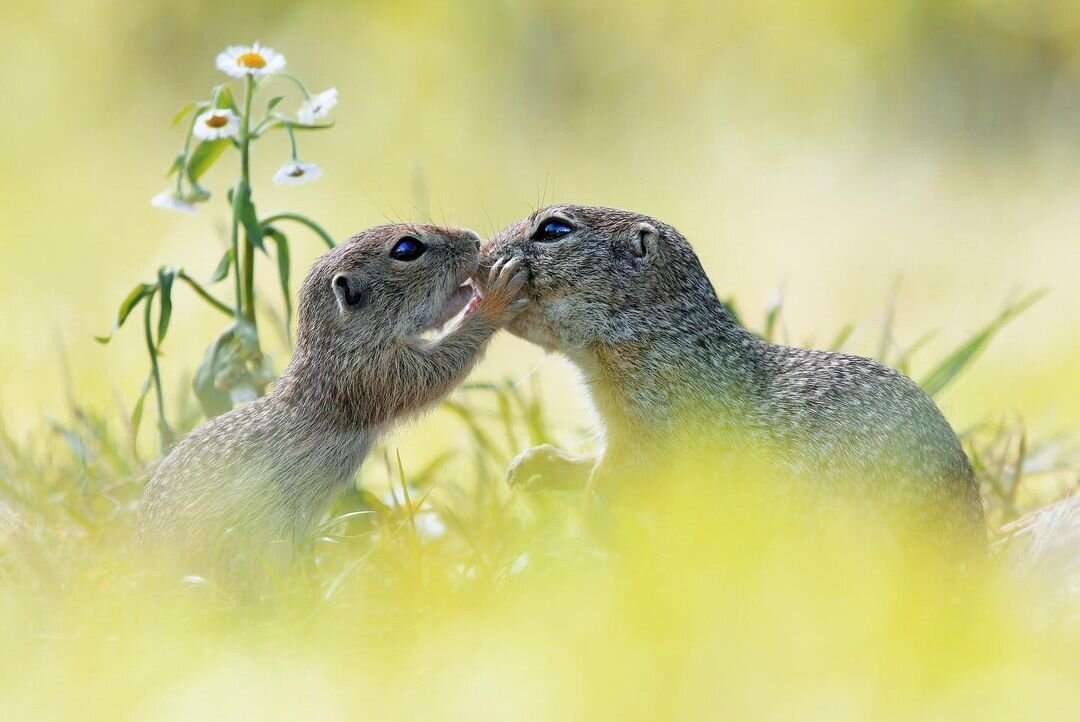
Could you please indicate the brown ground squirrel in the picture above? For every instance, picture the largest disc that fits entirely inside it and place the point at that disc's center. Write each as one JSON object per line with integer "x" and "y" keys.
{"x": 672, "y": 373}
{"x": 253, "y": 481}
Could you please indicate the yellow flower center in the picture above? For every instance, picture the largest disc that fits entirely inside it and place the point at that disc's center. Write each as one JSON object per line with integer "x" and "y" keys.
{"x": 217, "y": 121}
{"x": 251, "y": 60}
{"x": 296, "y": 172}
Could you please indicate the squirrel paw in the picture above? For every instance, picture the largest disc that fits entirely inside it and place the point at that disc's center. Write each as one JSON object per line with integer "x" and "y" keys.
{"x": 502, "y": 298}
{"x": 546, "y": 468}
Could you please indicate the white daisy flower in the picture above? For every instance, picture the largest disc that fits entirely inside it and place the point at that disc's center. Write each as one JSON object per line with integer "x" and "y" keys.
{"x": 296, "y": 172}
{"x": 172, "y": 201}
{"x": 241, "y": 60}
{"x": 317, "y": 106}
{"x": 217, "y": 123}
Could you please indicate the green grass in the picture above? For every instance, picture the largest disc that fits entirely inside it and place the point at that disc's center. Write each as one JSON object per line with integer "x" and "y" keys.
{"x": 424, "y": 596}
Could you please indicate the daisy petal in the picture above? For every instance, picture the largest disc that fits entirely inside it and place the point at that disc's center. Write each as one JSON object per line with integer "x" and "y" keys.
{"x": 172, "y": 201}
{"x": 217, "y": 123}
{"x": 297, "y": 172}
{"x": 317, "y": 106}
{"x": 254, "y": 60}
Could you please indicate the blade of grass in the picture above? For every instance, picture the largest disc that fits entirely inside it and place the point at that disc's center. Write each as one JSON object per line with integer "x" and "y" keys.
{"x": 955, "y": 363}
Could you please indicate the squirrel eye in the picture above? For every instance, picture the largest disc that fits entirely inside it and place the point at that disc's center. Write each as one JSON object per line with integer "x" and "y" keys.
{"x": 552, "y": 229}
{"x": 407, "y": 249}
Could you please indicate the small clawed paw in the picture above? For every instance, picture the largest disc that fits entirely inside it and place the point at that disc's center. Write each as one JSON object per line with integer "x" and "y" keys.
{"x": 534, "y": 468}
{"x": 505, "y": 281}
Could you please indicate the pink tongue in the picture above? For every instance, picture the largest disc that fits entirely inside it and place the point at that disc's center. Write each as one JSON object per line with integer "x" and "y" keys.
{"x": 474, "y": 302}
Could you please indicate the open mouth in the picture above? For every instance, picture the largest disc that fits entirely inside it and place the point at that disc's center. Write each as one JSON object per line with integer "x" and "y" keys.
{"x": 458, "y": 299}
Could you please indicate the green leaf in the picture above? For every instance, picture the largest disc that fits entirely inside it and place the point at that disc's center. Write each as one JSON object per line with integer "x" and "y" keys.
{"x": 203, "y": 293}
{"x": 315, "y": 227}
{"x": 197, "y": 194}
{"x": 233, "y": 361}
{"x": 842, "y": 337}
{"x": 323, "y": 126}
{"x": 126, "y": 307}
{"x": 282, "y": 243}
{"x": 166, "y": 276}
{"x": 946, "y": 371}
{"x": 180, "y": 114}
{"x": 137, "y": 412}
{"x": 177, "y": 165}
{"x": 904, "y": 361}
{"x": 204, "y": 155}
{"x": 223, "y": 98}
{"x": 213, "y": 400}
{"x": 297, "y": 126}
{"x": 248, "y": 218}
{"x": 729, "y": 306}
{"x": 223, "y": 266}
{"x": 274, "y": 103}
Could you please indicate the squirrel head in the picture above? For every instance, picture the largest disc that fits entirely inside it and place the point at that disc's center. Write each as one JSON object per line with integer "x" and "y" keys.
{"x": 391, "y": 281}
{"x": 600, "y": 276}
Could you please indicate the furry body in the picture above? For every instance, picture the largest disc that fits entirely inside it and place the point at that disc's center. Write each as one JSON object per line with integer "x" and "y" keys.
{"x": 255, "y": 480}
{"x": 672, "y": 374}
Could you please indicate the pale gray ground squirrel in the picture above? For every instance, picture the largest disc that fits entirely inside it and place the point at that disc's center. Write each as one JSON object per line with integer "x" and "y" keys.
{"x": 672, "y": 373}
{"x": 255, "y": 480}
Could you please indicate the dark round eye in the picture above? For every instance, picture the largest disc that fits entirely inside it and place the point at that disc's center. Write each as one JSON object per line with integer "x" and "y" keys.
{"x": 552, "y": 229}
{"x": 407, "y": 249}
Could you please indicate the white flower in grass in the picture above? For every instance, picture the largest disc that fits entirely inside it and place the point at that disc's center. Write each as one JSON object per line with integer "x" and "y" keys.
{"x": 317, "y": 106}
{"x": 217, "y": 123}
{"x": 172, "y": 201}
{"x": 296, "y": 172}
{"x": 241, "y": 60}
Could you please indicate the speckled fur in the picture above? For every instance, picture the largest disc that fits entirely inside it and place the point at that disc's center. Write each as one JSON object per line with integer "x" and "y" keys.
{"x": 255, "y": 480}
{"x": 671, "y": 373}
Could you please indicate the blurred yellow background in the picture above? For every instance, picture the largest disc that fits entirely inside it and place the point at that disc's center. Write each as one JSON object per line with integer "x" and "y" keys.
{"x": 830, "y": 149}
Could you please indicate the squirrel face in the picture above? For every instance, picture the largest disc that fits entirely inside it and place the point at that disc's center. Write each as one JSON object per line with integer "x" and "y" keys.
{"x": 595, "y": 274}
{"x": 391, "y": 281}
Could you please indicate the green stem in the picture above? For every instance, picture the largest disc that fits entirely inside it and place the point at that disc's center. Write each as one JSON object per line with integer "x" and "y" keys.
{"x": 187, "y": 151}
{"x": 304, "y": 90}
{"x": 248, "y": 266}
{"x": 234, "y": 244}
{"x": 292, "y": 138}
{"x": 249, "y": 281}
{"x": 315, "y": 227}
{"x": 197, "y": 287}
{"x": 164, "y": 431}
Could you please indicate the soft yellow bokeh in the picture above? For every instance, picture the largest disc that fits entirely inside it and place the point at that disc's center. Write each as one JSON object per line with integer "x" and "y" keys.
{"x": 827, "y": 149}
{"x": 832, "y": 149}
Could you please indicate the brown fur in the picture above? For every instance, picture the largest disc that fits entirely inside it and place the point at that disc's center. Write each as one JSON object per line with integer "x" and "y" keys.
{"x": 252, "y": 482}
{"x": 674, "y": 376}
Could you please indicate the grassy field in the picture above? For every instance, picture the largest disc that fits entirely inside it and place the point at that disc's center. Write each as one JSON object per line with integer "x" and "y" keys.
{"x": 433, "y": 592}
{"x": 887, "y": 178}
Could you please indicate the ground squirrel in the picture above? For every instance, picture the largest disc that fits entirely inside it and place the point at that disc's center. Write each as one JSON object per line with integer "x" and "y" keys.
{"x": 671, "y": 372}
{"x": 254, "y": 480}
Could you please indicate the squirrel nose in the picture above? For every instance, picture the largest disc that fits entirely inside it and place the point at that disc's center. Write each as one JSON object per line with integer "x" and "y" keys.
{"x": 474, "y": 237}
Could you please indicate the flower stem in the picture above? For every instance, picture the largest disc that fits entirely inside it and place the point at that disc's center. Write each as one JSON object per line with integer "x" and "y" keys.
{"x": 187, "y": 152}
{"x": 315, "y": 227}
{"x": 292, "y": 138}
{"x": 247, "y": 305}
{"x": 164, "y": 430}
{"x": 234, "y": 245}
{"x": 293, "y": 78}
{"x": 204, "y": 294}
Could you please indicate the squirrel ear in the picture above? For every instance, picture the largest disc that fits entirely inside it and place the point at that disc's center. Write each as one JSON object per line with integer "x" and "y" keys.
{"x": 350, "y": 293}
{"x": 643, "y": 240}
